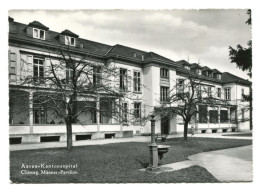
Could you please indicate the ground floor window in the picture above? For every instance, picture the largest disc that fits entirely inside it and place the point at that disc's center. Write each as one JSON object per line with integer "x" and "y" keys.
{"x": 223, "y": 116}
{"x": 137, "y": 111}
{"x": 203, "y": 112}
{"x": 213, "y": 116}
{"x": 40, "y": 115}
{"x": 124, "y": 112}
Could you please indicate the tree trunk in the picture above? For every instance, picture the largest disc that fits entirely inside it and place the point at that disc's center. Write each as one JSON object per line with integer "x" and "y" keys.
{"x": 185, "y": 133}
{"x": 69, "y": 134}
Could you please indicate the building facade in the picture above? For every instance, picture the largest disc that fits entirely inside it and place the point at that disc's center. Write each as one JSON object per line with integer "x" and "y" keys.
{"x": 146, "y": 78}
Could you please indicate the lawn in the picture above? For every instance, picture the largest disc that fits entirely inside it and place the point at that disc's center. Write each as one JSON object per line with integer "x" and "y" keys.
{"x": 116, "y": 163}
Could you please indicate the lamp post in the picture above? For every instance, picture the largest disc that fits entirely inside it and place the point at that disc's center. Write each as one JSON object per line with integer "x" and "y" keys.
{"x": 153, "y": 148}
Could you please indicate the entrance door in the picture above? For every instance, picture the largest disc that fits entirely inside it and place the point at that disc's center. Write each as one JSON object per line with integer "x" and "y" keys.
{"x": 165, "y": 125}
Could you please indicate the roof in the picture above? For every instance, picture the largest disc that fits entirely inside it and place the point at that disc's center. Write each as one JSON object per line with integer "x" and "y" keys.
{"x": 205, "y": 68}
{"x": 230, "y": 78}
{"x": 183, "y": 62}
{"x": 216, "y": 71}
{"x": 126, "y": 52}
{"x": 195, "y": 65}
{"x": 39, "y": 25}
{"x": 17, "y": 31}
{"x": 69, "y": 33}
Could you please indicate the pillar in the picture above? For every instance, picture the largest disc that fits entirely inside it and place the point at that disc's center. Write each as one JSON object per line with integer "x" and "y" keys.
{"x": 31, "y": 111}
{"x": 153, "y": 148}
{"x": 120, "y": 116}
{"x": 208, "y": 130}
{"x": 98, "y": 114}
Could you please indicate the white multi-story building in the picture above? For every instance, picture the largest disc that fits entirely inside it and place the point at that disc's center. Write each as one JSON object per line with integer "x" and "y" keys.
{"x": 29, "y": 47}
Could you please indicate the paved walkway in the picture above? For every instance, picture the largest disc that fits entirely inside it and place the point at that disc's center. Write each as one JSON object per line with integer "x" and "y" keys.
{"x": 28, "y": 146}
{"x": 227, "y": 165}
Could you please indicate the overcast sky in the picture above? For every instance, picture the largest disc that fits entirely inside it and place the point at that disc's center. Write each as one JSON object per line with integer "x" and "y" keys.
{"x": 203, "y": 35}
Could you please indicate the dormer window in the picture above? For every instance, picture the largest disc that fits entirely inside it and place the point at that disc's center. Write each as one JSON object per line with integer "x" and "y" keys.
{"x": 199, "y": 72}
{"x": 38, "y": 34}
{"x": 69, "y": 41}
{"x": 187, "y": 67}
{"x": 218, "y": 76}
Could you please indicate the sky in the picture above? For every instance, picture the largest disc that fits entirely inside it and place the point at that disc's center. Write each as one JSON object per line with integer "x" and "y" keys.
{"x": 202, "y": 36}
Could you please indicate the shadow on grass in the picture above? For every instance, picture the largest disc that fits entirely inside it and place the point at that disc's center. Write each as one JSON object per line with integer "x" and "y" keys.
{"x": 142, "y": 163}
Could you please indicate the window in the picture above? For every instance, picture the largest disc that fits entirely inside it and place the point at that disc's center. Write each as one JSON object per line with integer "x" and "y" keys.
{"x": 124, "y": 112}
{"x": 69, "y": 74}
{"x": 223, "y": 116}
{"x": 39, "y": 112}
{"x": 137, "y": 81}
{"x": 203, "y": 113}
{"x": 137, "y": 111}
{"x": 164, "y": 73}
{"x": 123, "y": 79}
{"x": 198, "y": 90}
{"x": 38, "y": 33}
{"x": 199, "y": 72}
{"x": 242, "y": 94}
{"x": 219, "y": 92}
{"x": 96, "y": 76}
{"x": 213, "y": 116}
{"x": 69, "y": 41}
{"x": 209, "y": 91}
{"x": 164, "y": 93}
{"x": 180, "y": 85}
{"x": 12, "y": 65}
{"x": 242, "y": 115}
{"x": 38, "y": 72}
{"x": 227, "y": 93}
{"x": 218, "y": 76}
{"x": 187, "y": 67}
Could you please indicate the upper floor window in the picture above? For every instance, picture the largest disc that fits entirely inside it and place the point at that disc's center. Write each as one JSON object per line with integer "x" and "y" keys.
{"x": 164, "y": 73}
{"x": 187, "y": 67}
{"x": 164, "y": 93}
{"x": 198, "y": 90}
{"x": 137, "y": 81}
{"x": 12, "y": 65}
{"x": 199, "y": 72}
{"x": 123, "y": 79}
{"x": 209, "y": 91}
{"x": 227, "y": 94}
{"x": 219, "y": 92}
{"x": 242, "y": 94}
{"x": 218, "y": 76}
{"x": 38, "y": 33}
{"x": 96, "y": 76}
{"x": 38, "y": 68}
{"x": 69, "y": 74}
{"x": 70, "y": 41}
{"x": 180, "y": 85}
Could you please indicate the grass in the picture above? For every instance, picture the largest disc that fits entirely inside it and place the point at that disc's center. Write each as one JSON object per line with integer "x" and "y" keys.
{"x": 240, "y": 135}
{"x": 118, "y": 163}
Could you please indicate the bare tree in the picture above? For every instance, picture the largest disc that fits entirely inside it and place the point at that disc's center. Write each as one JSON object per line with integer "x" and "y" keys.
{"x": 184, "y": 99}
{"x": 70, "y": 84}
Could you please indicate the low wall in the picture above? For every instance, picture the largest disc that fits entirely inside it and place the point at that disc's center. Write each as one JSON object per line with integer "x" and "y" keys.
{"x": 45, "y": 129}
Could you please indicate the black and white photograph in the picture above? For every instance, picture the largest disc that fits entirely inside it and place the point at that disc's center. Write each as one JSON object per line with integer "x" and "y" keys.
{"x": 133, "y": 96}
